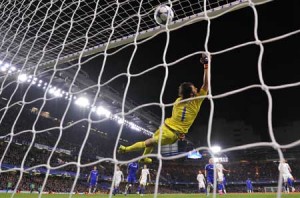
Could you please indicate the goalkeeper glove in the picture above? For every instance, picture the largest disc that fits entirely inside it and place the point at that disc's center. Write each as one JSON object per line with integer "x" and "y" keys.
{"x": 204, "y": 59}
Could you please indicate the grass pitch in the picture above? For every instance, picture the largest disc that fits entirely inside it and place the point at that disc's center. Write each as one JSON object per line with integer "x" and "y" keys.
{"x": 237, "y": 195}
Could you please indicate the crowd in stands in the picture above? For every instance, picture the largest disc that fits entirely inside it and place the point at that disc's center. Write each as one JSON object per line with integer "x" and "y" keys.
{"x": 175, "y": 176}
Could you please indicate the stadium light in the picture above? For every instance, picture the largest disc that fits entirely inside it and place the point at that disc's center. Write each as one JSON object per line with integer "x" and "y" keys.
{"x": 82, "y": 102}
{"x": 57, "y": 93}
{"x": 13, "y": 68}
{"x": 4, "y": 67}
{"x": 215, "y": 149}
{"x": 134, "y": 126}
{"x": 22, "y": 77}
{"x": 102, "y": 111}
{"x": 121, "y": 121}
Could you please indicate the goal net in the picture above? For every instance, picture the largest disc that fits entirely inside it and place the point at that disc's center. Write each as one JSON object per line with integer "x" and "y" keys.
{"x": 79, "y": 78}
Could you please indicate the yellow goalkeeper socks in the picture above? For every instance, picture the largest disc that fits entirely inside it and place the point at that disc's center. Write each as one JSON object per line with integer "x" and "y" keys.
{"x": 148, "y": 150}
{"x": 136, "y": 146}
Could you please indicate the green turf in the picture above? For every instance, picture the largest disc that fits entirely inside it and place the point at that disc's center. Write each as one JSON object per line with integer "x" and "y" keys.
{"x": 254, "y": 195}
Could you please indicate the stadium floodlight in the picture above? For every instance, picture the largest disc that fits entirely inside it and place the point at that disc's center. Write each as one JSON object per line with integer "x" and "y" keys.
{"x": 3, "y": 68}
{"x": 51, "y": 90}
{"x": 13, "y": 68}
{"x": 82, "y": 102}
{"x": 215, "y": 149}
{"x": 121, "y": 121}
{"x": 22, "y": 77}
{"x": 57, "y": 93}
{"x": 102, "y": 111}
{"x": 134, "y": 126}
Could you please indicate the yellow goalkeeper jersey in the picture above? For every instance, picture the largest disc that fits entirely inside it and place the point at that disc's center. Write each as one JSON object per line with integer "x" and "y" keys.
{"x": 184, "y": 113}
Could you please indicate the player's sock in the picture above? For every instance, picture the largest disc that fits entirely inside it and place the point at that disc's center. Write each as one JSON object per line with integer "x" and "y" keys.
{"x": 146, "y": 160}
{"x": 135, "y": 147}
{"x": 208, "y": 190}
{"x": 94, "y": 190}
{"x": 148, "y": 150}
{"x": 142, "y": 191}
{"x": 291, "y": 184}
{"x": 287, "y": 188}
{"x": 223, "y": 187}
{"x": 220, "y": 188}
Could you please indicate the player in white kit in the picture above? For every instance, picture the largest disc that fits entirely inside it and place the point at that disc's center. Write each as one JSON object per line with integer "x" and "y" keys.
{"x": 201, "y": 181}
{"x": 145, "y": 174}
{"x": 220, "y": 177}
{"x": 118, "y": 178}
{"x": 288, "y": 179}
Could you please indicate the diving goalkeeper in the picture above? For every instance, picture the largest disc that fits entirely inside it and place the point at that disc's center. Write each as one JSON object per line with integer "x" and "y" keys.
{"x": 183, "y": 116}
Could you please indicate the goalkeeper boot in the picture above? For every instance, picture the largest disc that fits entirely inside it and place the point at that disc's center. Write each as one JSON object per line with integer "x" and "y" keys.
{"x": 146, "y": 160}
{"x": 122, "y": 149}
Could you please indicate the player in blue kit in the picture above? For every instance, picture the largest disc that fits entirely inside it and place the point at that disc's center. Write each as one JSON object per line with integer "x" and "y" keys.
{"x": 132, "y": 169}
{"x": 249, "y": 186}
{"x": 209, "y": 174}
{"x": 93, "y": 179}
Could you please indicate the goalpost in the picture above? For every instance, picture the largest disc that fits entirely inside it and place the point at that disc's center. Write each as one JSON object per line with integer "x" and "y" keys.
{"x": 44, "y": 44}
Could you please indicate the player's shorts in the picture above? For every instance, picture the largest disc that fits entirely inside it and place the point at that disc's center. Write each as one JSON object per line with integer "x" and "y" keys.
{"x": 285, "y": 176}
{"x": 117, "y": 183}
{"x": 93, "y": 183}
{"x": 220, "y": 177}
{"x": 210, "y": 180}
{"x": 201, "y": 185}
{"x": 168, "y": 137}
{"x": 143, "y": 182}
{"x": 131, "y": 179}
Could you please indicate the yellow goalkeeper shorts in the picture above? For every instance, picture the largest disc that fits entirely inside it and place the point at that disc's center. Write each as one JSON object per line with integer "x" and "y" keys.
{"x": 168, "y": 137}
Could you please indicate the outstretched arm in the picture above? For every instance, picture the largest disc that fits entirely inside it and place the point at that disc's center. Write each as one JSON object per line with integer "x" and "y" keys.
{"x": 204, "y": 61}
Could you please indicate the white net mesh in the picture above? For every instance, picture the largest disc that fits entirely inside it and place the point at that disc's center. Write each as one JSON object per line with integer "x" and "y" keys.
{"x": 58, "y": 55}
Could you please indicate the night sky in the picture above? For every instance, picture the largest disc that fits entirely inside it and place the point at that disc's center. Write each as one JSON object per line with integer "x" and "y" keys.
{"x": 230, "y": 71}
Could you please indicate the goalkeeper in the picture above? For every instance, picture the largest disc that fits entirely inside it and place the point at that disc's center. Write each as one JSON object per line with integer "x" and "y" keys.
{"x": 183, "y": 116}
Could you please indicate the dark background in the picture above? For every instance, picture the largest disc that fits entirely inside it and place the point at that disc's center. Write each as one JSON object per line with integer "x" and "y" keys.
{"x": 231, "y": 70}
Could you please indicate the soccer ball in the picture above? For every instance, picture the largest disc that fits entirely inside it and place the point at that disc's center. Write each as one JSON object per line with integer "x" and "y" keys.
{"x": 162, "y": 14}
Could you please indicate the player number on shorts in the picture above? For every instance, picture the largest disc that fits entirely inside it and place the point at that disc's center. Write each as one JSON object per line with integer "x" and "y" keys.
{"x": 183, "y": 114}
